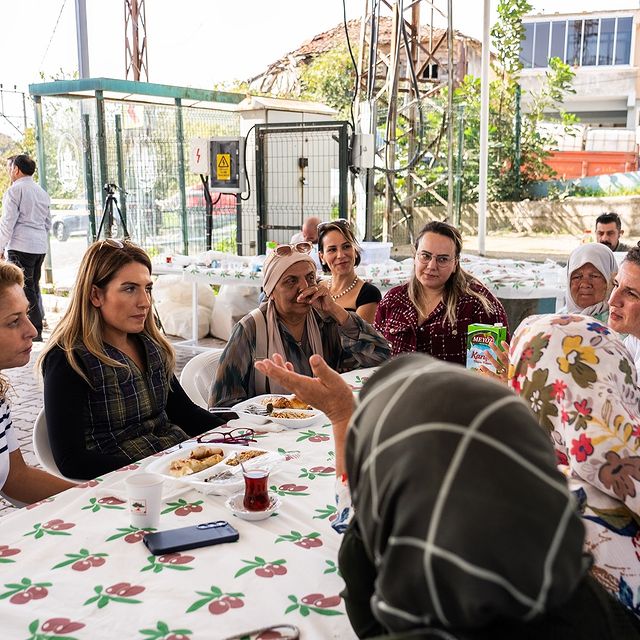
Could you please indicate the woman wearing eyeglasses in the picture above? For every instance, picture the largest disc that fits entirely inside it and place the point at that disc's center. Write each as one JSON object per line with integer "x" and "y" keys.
{"x": 300, "y": 318}
{"x": 431, "y": 313}
{"x": 340, "y": 255}
{"x": 110, "y": 394}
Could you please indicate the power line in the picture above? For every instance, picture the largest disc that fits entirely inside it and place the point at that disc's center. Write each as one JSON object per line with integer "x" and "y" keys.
{"x": 53, "y": 33}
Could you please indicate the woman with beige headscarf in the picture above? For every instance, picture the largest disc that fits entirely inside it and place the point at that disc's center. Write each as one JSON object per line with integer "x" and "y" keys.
{"x": 299, "y": 319}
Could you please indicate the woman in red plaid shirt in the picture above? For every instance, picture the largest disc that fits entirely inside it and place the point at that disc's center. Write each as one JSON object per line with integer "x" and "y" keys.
{"x": 431, "y": 313}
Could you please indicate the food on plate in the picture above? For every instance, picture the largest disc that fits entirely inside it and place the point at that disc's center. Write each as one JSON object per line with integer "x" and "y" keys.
{"x": 282, "y": 402}
{"x": 291, "y": 415}
{"x": 243, "y": 456}
{"x": 200, "y": 458}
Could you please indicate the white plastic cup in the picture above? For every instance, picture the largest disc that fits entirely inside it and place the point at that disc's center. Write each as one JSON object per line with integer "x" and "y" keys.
{"x": 144, "y": 496}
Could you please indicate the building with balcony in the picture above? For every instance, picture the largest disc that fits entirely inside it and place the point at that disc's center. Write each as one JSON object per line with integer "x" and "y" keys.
{"x": 602, "y": 48}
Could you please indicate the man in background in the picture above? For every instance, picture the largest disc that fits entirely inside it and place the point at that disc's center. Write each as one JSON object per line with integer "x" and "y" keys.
{"x": 309, "y": 232}
{"x": 24, "y": 228}
{"x": 609, "y": 231}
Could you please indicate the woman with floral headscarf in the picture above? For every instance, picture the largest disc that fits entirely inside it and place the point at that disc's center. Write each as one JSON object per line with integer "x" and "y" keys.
{"x": 579, "y": 380}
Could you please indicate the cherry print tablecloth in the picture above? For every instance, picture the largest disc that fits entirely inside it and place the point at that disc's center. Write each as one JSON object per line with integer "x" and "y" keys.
{"x": 73, "y": 567}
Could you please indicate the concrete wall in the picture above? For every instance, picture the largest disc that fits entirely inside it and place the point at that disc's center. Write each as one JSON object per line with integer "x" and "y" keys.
{"x": 571, "y": 215}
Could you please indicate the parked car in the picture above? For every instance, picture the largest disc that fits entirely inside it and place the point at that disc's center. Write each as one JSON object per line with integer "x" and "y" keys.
{"x": 69, "y": 219}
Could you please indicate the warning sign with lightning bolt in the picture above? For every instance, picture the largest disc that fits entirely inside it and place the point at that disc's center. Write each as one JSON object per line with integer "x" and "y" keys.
{"x": 223, "y": 166}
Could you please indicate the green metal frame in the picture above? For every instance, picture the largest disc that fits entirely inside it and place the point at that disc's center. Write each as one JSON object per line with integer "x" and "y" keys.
{"x": 102, "y": 89}
{"x": 42, "y": 177}
{"x": 129, "y": 90}
{"x": 88, "y": 172}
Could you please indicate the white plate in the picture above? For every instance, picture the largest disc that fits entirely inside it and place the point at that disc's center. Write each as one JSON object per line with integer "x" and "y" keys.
{"x": 235, "y": 504}
{"x": 212, "y": 480}
{"x": 314, "y": 415}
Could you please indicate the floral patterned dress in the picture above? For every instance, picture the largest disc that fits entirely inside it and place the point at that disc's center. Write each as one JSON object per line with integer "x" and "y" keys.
{"x": 580, "y": 381}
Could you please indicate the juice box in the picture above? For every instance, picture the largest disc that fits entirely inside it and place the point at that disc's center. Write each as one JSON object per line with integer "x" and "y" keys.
{"x": 478, "y": 337}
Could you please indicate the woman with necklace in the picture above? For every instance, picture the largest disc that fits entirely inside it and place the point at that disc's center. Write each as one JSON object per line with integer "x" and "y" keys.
{"x": 339, "y": 255}
{"x": 299, "y": 319}
{"x": 432, "y": 312}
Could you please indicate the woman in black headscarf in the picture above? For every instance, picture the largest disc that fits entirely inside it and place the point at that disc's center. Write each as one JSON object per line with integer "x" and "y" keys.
{"x": 462, "y": 527}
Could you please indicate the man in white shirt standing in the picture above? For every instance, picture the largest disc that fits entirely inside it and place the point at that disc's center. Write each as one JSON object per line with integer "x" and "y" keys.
{"x": 24, "y": 227}
{"x": 624, "y": 303}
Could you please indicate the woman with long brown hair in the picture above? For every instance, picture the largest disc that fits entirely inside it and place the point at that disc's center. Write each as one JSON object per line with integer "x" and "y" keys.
{"x": 431, "y": 313}
{"x": 111, "y": 397}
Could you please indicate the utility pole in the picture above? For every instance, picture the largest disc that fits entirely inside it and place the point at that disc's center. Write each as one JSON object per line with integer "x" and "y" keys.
{"x": 135, "y": 40}
{"x": 397, "y": 82}
{"x": 81, "y": 39}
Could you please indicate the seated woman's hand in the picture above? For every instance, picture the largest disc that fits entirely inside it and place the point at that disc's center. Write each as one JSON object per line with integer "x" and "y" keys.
{"x": 319, "y": 297}
{"x": 326, "y": 391}
{"x": 499, "y": 359}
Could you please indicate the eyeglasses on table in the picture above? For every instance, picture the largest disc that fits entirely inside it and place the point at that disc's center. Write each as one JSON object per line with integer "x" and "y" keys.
{"x": 240, "y": 435}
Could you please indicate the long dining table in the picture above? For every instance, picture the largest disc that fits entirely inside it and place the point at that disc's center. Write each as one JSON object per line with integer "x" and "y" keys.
{"x": 72, "y": 566}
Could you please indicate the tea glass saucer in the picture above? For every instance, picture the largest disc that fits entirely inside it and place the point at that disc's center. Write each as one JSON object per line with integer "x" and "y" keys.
{"x": 235, "y": 505}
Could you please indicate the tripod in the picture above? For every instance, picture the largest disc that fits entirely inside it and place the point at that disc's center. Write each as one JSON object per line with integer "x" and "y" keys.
{"x": 107, "y": 213}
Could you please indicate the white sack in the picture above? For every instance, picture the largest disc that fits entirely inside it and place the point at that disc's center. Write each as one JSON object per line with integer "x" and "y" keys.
{"x": 176, "y": 319}
{"x": 232, "y": 304}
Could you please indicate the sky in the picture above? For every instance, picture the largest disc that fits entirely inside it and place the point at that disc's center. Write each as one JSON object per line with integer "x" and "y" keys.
{"x": 195, "y": 43}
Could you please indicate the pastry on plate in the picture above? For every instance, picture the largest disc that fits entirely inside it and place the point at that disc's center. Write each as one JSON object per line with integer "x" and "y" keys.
{"x": 200, "y": 458}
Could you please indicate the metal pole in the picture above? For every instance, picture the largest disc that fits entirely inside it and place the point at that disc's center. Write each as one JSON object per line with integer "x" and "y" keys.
{"x": 121, "y": 184}
{"x": 517, "y": 160}
{"x": 260, "y": 189}
{"x": 484, "y": 131}
{"x": 102, "y": 144}
{"x": 42, "y": 178}
{"x": 24, "y": 111}
{"x": 81, "y": 39}
{"x": 450, "y": 185}
{"x": 88, "y": 172}
{"x": 181, "y": 178}
{"x": 390, "y": 151}
{"x": 343, "y": 171}
{"x": 458, "y": 180}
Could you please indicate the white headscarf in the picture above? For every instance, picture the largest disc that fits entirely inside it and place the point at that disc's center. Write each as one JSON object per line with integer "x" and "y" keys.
{"x": 602, "y": 258}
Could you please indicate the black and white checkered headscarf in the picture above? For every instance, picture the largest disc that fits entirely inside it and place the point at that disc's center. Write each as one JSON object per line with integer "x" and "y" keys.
{"x": 458, "y": 500}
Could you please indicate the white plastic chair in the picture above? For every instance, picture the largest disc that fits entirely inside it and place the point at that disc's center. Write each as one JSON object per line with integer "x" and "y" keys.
{"x": 42, "y": 447}
{"x": 198, "y": 374}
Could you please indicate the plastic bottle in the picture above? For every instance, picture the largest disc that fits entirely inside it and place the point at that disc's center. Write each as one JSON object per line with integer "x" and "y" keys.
{"x": 587, "y": 236}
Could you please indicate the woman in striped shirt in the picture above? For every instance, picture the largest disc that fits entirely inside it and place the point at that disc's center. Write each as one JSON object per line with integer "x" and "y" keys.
{"x": 18, "y": 481}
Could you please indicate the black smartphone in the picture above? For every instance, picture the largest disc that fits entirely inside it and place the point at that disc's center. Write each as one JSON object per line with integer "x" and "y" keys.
{"x": 199, "y": 535}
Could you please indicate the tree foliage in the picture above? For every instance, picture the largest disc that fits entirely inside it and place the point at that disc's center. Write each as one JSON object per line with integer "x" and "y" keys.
{"x": 330, "y": 79}
{"x": 506, "y": 179}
